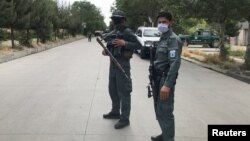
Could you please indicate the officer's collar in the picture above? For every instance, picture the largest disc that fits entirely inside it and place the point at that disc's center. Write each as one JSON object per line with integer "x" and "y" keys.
{"x": 167, "y": 34}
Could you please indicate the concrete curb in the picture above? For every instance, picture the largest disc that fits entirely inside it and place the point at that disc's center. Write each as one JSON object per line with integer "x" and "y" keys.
{"x": 28, "y": 51}
{"x": 233, "y": 74}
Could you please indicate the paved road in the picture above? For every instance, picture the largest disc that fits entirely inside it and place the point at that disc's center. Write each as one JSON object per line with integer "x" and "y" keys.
{"x": 61, "y": 94}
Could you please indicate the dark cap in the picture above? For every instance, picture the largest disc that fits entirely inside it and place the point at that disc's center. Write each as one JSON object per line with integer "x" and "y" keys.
{"x": 118, "y": 14}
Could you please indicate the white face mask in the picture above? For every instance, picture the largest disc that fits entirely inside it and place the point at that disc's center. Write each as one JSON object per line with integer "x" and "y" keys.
{"x": 163, "y": 27}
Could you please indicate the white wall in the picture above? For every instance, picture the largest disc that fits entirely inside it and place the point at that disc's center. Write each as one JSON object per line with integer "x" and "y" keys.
{"x": 243, "y": 34}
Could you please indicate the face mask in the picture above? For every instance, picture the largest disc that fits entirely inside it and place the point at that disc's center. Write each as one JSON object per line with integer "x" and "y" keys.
{"x": 163, "y": 27}
{"x": 117, "y": 21}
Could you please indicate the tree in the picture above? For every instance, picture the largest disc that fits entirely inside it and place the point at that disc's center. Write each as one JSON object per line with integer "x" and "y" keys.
{"x": 247, "y": 56}
{"x": 232, "y": 28}
{"x": 46, "y": 17}
{"x": 85, "y": 12}
{"x": 139, "y": 11}
{"x": 15, "y": 15}
{"x": 23, "y": 22}
{"x": 183, "y": 15}
{"x": 55, "y": 19}
{"x": 64, "y": 16}
{"x": 246, "y": 15}
{"x": 42, "y": 12}
{"x": 3, "y": 17}
{"x": 4, "y": 14}
{"x": 219, "y": 11}
{"x": 9, "y": 16}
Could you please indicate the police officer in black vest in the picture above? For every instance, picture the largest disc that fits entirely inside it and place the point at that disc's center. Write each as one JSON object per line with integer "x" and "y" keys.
{"x": 122, "y": 44}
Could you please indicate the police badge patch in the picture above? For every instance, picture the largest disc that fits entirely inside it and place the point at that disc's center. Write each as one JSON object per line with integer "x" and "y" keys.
{"x": 172, "y": 53}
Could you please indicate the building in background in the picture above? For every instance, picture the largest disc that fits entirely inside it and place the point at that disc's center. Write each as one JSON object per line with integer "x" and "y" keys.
{"x": 241, "y": 39}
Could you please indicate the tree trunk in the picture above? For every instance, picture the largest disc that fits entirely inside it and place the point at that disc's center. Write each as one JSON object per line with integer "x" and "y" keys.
{"x": 247, "y": 56}
{"x": 37, "y": 40}
{"x": 223, "y": 51}
{"x": 63, "y": 33}
{"x": 12, "y": 36}
{"x": 55, "y": 34}
{"x": 27, "y": 37}
{"x": 11, "y": 27}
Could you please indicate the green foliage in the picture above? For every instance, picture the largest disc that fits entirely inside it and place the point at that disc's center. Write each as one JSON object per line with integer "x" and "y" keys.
{"x": 139, "y": 11}
{"x": 5, "y": 13}
{"x": 219, "y": 12}
{"x": 4, "y": 35}
{"x": 225, "y": 48}
{"x": 246, "y": 15}
{"x": 216, "y": 60}
{"x": 47, "y": 18}
{"x": 42, "y": 19}
{"x": 247, "y": 58}
{"x": 195, "y": 24}
{"x": 64, "y": 16}
{"x": 86, "y": 13}
{"x": 232, "y": 28}
{"x": 74, "y": 26}
{"x": 22, "y": 11}
{"x": 55, "y": 19}
{"x": 237, "y": 53}
{"x": 15, "y": 15}
{"x": 188, "y": 15}
{"x": 24, "y": 40}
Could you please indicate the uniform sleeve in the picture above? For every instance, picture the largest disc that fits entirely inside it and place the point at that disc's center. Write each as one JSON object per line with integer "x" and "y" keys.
{"x": 131, "y": 41}
{"x": 175, "y": 61}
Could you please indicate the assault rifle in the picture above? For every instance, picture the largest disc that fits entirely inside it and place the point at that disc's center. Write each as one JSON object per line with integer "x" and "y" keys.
{"x": 112, "y": 57}
{"x": 151, "y": 86}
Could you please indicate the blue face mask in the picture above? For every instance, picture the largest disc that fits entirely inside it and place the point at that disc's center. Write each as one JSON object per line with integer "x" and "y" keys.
{"x": 163, "y": 27}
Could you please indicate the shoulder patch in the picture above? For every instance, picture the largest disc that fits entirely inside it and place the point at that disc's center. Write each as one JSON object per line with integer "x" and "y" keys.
{"x": 172, "y": 53}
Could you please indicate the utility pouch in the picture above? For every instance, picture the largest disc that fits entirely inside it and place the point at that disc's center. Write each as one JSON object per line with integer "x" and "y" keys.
{"x": 127, "y": 54}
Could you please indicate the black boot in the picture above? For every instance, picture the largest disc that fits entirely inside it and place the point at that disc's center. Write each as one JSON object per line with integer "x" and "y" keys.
{"x": 121, "y": 124}
{"x": 157, "y": 138}
{"x": 111, "y": 115}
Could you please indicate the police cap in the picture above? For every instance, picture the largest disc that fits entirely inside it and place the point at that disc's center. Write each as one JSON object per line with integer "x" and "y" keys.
{"x": 118, "y": 14}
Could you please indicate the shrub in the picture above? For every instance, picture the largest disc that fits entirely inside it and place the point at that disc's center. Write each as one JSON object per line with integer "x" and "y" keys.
{"x": 212, "y": 59}
{"x": 4, "y": 35}
{"x": 238, "y": 53}
{"x": 186, "y": 53}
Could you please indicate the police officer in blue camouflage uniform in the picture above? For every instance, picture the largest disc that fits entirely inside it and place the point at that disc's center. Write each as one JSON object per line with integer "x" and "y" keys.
{"x": 120, "y": 87}
{"x": 166, "y": 65}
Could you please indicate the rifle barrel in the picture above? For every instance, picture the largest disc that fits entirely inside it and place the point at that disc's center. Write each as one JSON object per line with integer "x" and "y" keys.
{"x": 112, "y": 58}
